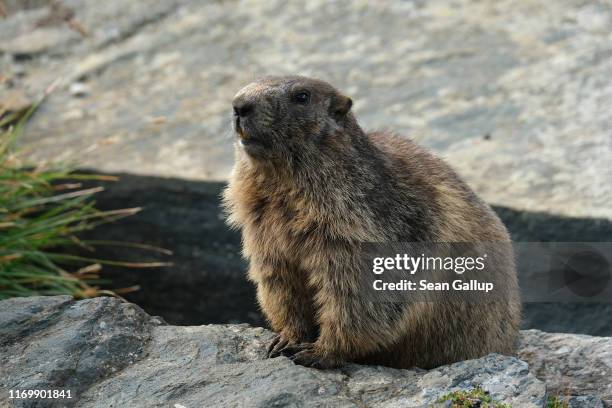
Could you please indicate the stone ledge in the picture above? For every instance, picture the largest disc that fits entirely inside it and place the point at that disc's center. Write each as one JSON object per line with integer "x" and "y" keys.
{"x": 113, "y": 354}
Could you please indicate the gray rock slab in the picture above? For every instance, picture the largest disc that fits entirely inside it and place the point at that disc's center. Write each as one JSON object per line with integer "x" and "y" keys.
{"x": 54, "y": 342}
{"x": 584, "y": 401}
{"x": 111, "y": 354}
{"x": 570, "y": 364}
{"x": 515, "y": 95}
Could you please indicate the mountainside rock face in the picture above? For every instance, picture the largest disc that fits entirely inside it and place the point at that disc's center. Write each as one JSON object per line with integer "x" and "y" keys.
{"x": 112, "y": 354}
{"x": 514, "y": 94}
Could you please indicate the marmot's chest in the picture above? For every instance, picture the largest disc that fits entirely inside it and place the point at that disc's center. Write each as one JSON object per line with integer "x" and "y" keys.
{"x": 293, "y": 227}
{"x": 283, "y": 224}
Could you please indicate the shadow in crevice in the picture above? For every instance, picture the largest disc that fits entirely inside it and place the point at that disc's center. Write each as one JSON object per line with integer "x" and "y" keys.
{"x": 207, "y": 283}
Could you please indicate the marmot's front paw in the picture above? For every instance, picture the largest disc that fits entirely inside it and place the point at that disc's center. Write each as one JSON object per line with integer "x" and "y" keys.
{"x": 278, "y": 344}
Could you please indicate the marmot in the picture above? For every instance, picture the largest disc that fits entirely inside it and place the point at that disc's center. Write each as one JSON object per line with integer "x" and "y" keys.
{"x": 307, "y": 187}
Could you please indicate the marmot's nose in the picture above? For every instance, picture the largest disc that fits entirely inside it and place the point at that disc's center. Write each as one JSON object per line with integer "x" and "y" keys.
{"x": 242, "y": 108}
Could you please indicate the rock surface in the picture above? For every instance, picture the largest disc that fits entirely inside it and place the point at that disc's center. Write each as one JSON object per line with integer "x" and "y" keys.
{"x": 570, "y": 363}
{"x": 131, "y": 361}
{"x": 52, "y": 342}
{"x": 515, "y": 92}
{"x": 112, "y": 354}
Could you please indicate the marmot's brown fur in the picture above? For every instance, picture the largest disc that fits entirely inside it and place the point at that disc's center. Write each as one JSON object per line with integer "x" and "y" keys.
{"x": 308, "y": 186}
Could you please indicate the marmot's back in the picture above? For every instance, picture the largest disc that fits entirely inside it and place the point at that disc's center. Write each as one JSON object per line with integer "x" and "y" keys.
{"x": 458, "y": 214}
{"x": 450, "y": 329}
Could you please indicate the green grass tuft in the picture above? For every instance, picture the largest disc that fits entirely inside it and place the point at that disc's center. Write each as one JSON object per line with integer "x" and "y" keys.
{"x": 555, "y": 401}
{"x": 41, "y": 209}
{"x": 475, "y": 398}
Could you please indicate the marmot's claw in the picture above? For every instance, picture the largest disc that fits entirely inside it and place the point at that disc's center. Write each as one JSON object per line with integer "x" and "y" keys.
{"x": 292, "y": 349}
{"x": 305, "y": 354}
{"x": 278, "y": 344}
{"x": 308, "y": 358}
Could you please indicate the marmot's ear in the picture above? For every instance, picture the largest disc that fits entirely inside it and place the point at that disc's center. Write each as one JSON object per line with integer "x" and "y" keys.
{"x": 340, "y": 106}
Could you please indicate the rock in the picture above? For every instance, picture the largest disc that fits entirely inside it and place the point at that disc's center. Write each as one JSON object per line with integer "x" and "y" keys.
{"x": 111, "y": 353}
{"x": 35, "y": 43}
{"x": 514, "y": 95}
{"x": 79, "y": 89}
{"x": 53, "y": 342}
{"x": 570, "y": 364}
{"x": 584, "y": 401}
{"x": 14, "y": 101}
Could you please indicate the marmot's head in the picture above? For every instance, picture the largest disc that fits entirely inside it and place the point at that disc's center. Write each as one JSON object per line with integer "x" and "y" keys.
{"x": 280, "y": 118}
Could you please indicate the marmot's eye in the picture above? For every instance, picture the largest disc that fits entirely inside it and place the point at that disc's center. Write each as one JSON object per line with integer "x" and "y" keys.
{"x": 301, "y": 97}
